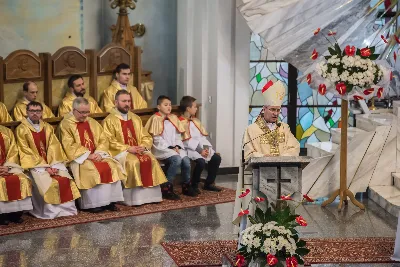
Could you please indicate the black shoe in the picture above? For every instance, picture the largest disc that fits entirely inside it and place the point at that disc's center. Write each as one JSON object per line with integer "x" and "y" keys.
{"x": 15, "y": 217}
{"x": 111, "y": 207}
{"x": 95, "y": 210}
{"x": 171, "y": 196}
{"x": 188, "y": 190}
{"x": 197, "y": 190}
{"x": 212, "y": 187}
{"x": 4, "y": 222}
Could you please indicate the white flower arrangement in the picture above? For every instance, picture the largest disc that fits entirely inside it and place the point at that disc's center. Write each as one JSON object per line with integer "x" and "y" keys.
{"x": 350, "y": 72}
{"x": 354, "y": 71}
{"x": 275, "y": 239}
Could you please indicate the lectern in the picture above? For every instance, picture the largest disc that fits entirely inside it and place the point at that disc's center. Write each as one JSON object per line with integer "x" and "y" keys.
{"x": 273, "y": 177}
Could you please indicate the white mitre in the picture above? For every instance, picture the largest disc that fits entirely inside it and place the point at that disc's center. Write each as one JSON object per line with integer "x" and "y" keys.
{"x": 274, "y": 93}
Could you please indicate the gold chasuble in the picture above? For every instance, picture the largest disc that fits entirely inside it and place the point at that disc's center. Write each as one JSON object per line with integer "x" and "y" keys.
{"x": 79, "y": 138}
{"x": 19, "y": 111}
{"x": 142, "y": 170}
{"x": 186, "y": 125}
{"x": 16, "y": 185}
{"x": 109, "y": 97}
{"x": 4, "y": 115}
{"x": 155, "y": 124}
{"x": 277, "y": 142}
{"x": 42, "y": 150}
{"x": 66, "y": 104}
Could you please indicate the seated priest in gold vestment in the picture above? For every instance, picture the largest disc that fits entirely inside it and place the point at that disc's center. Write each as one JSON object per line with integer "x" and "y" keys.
{"x": 130, "y": 144}
{"x": 96, "y": 173}
{"x": 121, "y": 82}
{"x": 15, "y": 186}
{"x": 54, "y": 190}
{"x": 77, "y": 89}
{"x": 4, "y": 115}
{"x": 267, "y": 136}
{"x": 30, "y": 91}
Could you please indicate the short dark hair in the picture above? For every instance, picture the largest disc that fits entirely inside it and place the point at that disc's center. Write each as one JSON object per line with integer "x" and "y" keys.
{"x": 121, "y": 66}
{"x": 34, "y": 104}
{"x": 25, "y": 86}
{"x": 72, "y": 79}
{"x": 161, "y": 98}
{"x": 186, "y": 102}
{"x": 122, "y": 92}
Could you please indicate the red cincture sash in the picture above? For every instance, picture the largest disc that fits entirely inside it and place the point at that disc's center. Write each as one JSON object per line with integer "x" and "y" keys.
{"x": 13, "y": 186}
{"x": 145, "y": 161}
{"x": 40, "y": 142}
{"x": 3, "y": 153}
{"x": 131, "y": 100}
{"x": 87, "y": 140}
{"x": 64, "y": 188}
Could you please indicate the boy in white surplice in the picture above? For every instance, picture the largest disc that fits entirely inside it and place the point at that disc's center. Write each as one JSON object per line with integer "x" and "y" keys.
{"x": 166, "y": 130}
{"x": 199, "y": 149}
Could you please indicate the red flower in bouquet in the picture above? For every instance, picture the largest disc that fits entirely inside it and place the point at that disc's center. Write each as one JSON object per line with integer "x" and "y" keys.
{"x": 380, "y": 92}
{"x": 286, "y": 197}
{"x": 331, "y": 33}
{"x": 350, "y": 51}
{"x": 322, "y": 89}
{"x": 368, "y": 91}
{"x": 384, "y": 39}
{"x": 309, "y": 78}
{"x": 259, "y": 199}
{"x": 341, "y": 88}
{"x": 365, "y": 52}
{"x": 314, "y": 55}
{"x": 291, "y": 262}
{"x": 309, "y": 199}
{"x": 243, "y": 212}
{"x": 358, "y": 97}
{"x": 271, "y": 260}
{"x": 245, "y": 193}
{"x": 317, "y": 31}
{"x": 239, "y": 260}
{"x": 300, "y": 220}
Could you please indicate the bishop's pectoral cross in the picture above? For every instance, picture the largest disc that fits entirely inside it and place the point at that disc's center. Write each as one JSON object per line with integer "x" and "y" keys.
{"x": 272, "y": 138}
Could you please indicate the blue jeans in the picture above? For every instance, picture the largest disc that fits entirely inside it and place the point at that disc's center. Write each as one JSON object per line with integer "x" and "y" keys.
{"x": 173, "y": 163}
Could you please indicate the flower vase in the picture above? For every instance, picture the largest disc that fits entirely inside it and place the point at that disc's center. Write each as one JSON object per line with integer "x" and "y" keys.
{"x": 259, "y": 262}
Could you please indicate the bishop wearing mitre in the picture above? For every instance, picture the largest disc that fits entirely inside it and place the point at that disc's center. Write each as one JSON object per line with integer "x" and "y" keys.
{"x": 96, "y": 173}
{"x": 54, "y": 190}
{"x": 121, "y": 82}
{"x": 267, "y": 137}
{"x": 130, "y": 144}
{"x": 15, "y": 186}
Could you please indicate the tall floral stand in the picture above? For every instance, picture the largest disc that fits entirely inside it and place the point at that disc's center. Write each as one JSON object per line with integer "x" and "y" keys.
{"x": 343, "y": 191}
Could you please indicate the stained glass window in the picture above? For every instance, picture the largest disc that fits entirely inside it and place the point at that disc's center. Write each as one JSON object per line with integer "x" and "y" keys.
{"x": 315, "y": 114}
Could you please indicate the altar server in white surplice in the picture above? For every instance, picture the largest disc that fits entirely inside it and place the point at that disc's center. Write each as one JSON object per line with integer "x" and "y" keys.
{"x": 199, "y": 149}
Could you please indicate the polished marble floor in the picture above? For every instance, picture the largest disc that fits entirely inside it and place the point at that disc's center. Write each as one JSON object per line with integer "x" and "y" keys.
{"x": 135, "y": 241}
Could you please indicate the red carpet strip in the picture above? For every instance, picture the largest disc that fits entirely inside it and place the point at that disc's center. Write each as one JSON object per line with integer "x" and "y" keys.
{"x": 323, "y": 251}
{"x": 205, "y": 198}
